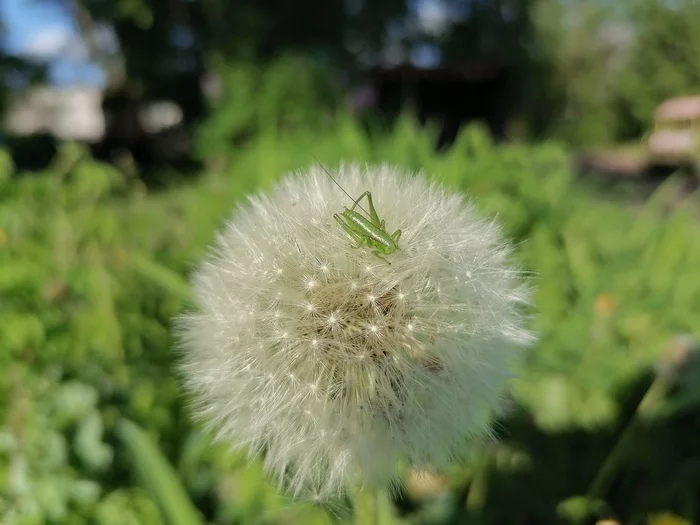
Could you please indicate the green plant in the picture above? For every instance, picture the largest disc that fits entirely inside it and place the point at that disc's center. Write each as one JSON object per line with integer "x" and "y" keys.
{"x": 92, "y": 271}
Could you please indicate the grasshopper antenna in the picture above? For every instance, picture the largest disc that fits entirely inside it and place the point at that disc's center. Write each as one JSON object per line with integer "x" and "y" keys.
{"x": 336, "y": 183}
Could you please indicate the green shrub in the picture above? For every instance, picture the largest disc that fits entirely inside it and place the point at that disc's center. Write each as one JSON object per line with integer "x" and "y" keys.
{"x": 92, "y": 271}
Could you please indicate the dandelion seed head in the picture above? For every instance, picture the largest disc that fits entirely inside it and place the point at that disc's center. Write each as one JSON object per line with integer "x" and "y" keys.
{"x": 336, "y": 363}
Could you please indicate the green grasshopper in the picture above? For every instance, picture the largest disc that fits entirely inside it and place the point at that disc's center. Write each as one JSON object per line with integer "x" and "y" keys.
{"x": 370, "y": 232}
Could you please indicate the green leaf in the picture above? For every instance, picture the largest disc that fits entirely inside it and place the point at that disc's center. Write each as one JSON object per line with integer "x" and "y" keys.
{"x": 374, "y": 507}
{"x": 159, "y": 477}
{"x": 160, "y": 275}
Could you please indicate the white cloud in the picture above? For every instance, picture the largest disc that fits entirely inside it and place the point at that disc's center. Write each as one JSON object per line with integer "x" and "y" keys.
{"x": 55, "y": 41}
{"x": 47, "y": 42}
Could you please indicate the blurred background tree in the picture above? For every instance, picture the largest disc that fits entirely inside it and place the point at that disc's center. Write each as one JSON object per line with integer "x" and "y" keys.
{"x": 586, "y": 72}
{"x": 663, "y": 60}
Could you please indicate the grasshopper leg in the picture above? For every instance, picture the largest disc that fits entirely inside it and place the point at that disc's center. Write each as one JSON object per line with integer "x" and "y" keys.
{"x": 378, "y": 254}
{"x": 372, "y": 212}
{"x": 373, "y": 215}
{"x": 361, "y": 241}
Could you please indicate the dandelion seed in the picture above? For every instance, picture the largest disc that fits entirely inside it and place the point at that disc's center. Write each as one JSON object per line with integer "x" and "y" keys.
{"x": 341, "y": 375}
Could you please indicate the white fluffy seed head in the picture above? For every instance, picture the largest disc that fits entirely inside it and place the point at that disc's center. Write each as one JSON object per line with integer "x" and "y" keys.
{"x": 336, "y": 365}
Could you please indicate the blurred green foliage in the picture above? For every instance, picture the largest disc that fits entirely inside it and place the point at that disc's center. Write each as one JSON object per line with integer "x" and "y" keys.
{"x": 663, "y": 61}
{"x": 291, "y": 93}
{"x": 93, "y": 269}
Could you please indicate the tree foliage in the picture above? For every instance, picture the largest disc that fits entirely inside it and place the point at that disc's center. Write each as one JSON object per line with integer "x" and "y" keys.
{"x": 664, "y": 59}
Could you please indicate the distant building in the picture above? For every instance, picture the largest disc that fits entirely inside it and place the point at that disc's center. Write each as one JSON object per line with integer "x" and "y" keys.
{"x": 77, "y": 113}
{"x": 68, "y": 113}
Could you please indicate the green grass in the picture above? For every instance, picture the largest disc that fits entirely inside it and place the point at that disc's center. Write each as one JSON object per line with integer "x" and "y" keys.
{"x": 93, "y": 269}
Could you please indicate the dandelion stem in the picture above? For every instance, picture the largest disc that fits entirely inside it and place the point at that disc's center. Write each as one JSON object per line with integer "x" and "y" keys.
{"x": 478, "y": 487}
{"x": 367, "y": 505}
